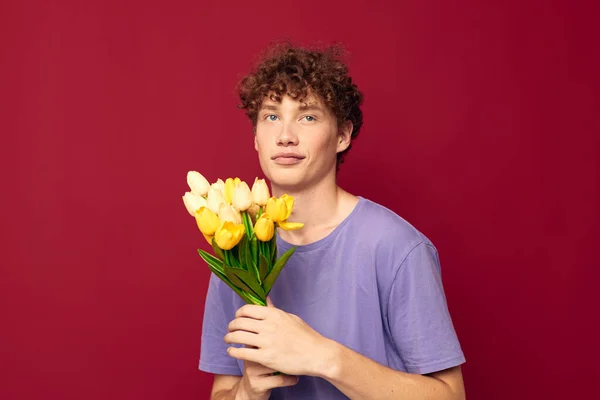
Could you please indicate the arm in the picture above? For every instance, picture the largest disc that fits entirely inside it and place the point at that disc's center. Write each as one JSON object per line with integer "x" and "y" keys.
{"x": 224, "y": 387}
{"x": 417, "y": 313}
{"x": 256, "y": 383}
{"x": 359, "y": 377}
{"x": 311, "y": 354}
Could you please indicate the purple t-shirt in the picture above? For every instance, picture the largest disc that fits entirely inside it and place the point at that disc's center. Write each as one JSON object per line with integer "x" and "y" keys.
{"x": 373, "y": 284}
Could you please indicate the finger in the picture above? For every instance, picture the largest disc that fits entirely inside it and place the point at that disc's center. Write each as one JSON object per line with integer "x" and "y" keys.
{"x": 244, "y": 353}
{"x": 245, "y": 324}
{"x": 252, "y": 311}
{"x": 254, "y": 369}
{"x": 270, "y": 302}
{"x": 243, "y": 337}
{"x": 275, "y": 381}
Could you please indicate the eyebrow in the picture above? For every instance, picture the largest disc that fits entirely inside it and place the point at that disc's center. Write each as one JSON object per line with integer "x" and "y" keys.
{"x": 309, "y": 107}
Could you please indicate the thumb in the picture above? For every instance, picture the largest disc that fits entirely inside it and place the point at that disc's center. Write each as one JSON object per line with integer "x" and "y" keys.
{"x": 270, "y": 302}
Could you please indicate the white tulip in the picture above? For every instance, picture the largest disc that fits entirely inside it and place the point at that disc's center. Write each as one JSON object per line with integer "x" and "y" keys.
{"x": 229, "y": 213}
{"x": 197, "y": 183}
{"x": 242, "y": 197}
{"x": 260, "y": 192}
{"x": 193, "y": 202}
{"x": 219, "y": 185}
{"x": 214, "y": 200}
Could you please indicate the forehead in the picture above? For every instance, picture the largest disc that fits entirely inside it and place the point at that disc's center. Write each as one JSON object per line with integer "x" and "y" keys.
{"x": 310, "y": 101}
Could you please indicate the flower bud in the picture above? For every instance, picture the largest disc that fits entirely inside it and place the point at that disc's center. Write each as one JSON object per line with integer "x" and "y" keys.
{"x": 193, "y": 202}
{"x": 229, "y": 213}
{"x": 207, "y": 221}
{"x": 260, "y": 192}
{"x": 219, "y": 185}
{"x": 214, "y": 200}
{"x": 228, "y": 235}
{"x": 230, "y": 185}
{"x": 277, "y": 209}
{"x": 197, "y": 183}
{"x": 264, "y": 228}
{"x": 242, "y": 197}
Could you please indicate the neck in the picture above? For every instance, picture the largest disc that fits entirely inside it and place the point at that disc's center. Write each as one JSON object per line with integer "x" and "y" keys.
{"x": 320, "y": 208}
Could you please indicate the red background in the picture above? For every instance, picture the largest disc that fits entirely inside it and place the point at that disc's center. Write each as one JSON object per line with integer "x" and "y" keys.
{"x": 481, "y": 128}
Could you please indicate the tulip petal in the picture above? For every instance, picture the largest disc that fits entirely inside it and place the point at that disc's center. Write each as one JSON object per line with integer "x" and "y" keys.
{"x": 208, "y": 238}
{"x": 230, "y": 185}
{"x": 197, "y": 183}
{"x": 290, "y": 226}
{"x": 228, "y": 235}
{"x": 289, "y": 202}
{"x": 208, "y": 222}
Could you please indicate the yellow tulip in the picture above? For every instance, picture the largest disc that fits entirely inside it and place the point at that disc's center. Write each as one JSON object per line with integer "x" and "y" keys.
{"x": 215, "y": 199}
{"x": 228, "y": 235}
{"x": 280, "y": 209}
{"x": 229, "y": 213}
{"x": 242, "y": 197}
{"x": 277, "y": 209}
{"x": 264, "y": 228}
{"x": 208, "y": 238}
{"x": 289, "y": 202}
{"x": 260, "y": 192}
{"x": 193, "y": 202}
{"x": 207, "y": 221}
{"x": 230, "y": 185}
{"x": 197, "y": 183}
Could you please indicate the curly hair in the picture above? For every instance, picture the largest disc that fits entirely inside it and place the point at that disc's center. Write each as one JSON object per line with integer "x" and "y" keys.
{"x": 285, "y": 69}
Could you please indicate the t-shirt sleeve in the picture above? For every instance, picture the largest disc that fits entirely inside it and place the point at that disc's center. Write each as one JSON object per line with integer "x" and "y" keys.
{"x": 213, "y": 349}
{"x": 418, "y": 316}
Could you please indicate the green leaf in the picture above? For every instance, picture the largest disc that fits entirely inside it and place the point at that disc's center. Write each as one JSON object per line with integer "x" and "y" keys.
{"x": 263, "y": 267}
{"x": 218, "y": 251}
{"x": 256, "y": 300}
{"x": 248, "y": 279}
{"x": 219, "y": 272}
{"x": 272, "y": 277}
{"x": 212, "y": 261}
{"x": 236, "y": 280}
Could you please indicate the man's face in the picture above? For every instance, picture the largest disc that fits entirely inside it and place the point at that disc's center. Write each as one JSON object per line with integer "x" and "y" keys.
{"x": 297, "y": 142}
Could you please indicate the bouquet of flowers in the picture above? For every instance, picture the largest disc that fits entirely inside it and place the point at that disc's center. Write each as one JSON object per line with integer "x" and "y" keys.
{"x": 239, "y": 224}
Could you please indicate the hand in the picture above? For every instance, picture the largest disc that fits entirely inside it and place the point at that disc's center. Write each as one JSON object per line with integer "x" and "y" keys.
{"x": 257, "y": 382}
{"x": 277, "y": 340}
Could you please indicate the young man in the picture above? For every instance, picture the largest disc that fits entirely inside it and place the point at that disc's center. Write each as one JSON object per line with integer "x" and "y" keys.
{"x": 359, "y": 311}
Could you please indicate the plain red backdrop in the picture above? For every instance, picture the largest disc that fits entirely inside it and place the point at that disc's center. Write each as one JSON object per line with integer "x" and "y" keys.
{"x": 481, "y": 128}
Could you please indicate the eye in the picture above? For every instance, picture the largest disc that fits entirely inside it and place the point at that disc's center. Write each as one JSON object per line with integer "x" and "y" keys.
{"x": 310, "y": 118}
{"x": 271, "y": 117}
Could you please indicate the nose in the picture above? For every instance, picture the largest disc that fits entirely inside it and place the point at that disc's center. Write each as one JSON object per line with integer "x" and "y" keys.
{"x": 287, "y": 136}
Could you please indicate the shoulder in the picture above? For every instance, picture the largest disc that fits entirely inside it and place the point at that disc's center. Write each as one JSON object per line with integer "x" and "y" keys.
{"x": 385, "y": 228}
{"x": 389, "y": 238}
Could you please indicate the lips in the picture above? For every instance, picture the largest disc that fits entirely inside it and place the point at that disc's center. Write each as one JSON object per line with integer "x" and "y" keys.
{"x": 287, "y": 156}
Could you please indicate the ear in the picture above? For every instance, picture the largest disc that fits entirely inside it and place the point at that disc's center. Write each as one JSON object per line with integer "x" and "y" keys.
{"x": 255, "y": 142}
{"x": 344, "y": 136}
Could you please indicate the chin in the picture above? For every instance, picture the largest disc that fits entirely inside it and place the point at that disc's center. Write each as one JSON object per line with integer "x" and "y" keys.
{"x": 286, "y": 178}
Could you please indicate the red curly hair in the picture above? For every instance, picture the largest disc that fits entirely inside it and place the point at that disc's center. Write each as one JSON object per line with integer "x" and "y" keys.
{"x": 291, "y": 70}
